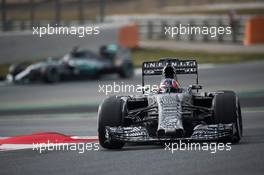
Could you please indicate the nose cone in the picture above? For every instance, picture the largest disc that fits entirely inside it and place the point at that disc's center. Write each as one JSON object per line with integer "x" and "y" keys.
{"x": 170, "y": 115}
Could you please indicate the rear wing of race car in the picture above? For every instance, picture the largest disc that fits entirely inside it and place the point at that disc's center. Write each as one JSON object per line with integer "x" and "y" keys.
{"x": 181, "y": 67}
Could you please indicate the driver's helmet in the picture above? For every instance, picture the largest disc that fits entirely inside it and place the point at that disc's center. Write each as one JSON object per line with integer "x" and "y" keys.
{"x": 169, "y": 72}
{"x": 169, "y": 85}
{"x": 108, "y": 50}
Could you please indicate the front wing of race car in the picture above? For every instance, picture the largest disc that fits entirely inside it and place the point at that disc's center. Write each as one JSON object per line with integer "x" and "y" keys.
{"x": 216, "y": 132}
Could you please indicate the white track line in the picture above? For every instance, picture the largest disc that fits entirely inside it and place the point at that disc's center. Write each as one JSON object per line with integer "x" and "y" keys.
{"x": 9, "y": 147}
{"x": 84, "y": 137}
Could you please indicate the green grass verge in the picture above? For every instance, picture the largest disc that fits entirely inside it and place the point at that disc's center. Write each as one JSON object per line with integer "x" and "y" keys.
{"x": 3, "y": 70}
{"x": 139, "y": 55}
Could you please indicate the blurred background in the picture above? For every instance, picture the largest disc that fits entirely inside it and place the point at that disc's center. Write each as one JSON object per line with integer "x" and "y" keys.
{"x": 226, "y": 62}
{"x": 150, "y": 18}
{"x": 233, "y": 61}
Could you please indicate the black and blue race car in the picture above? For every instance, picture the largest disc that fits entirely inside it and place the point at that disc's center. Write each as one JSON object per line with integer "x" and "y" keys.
{"x": 78, "y": 64}
{"x": 170, "y": 113}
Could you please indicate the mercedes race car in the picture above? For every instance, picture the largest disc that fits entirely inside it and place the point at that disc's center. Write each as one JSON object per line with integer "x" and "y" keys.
{"x": 78, "y": 64}
{"x": 171, "y": 113}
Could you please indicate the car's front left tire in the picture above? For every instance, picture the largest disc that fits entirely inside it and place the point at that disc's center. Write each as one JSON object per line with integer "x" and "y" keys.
{"x": 110, "y": 114}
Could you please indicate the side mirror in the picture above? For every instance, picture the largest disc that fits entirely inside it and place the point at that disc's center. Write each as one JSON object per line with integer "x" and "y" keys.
{"x": 195, "y": 87}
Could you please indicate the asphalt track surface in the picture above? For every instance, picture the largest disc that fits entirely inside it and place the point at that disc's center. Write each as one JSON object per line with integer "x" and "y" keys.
{"x": 243, "y": 158}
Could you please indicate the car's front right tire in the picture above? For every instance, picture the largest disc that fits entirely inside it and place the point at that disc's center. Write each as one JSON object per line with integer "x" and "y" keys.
{"x": 227, "y": 110}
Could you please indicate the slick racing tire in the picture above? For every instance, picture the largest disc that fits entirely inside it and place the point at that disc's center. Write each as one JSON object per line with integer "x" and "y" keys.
{"x": 52, "y": 75}
{"x": 227, "y": 110}
{"x": 127, "y": 70}
{"x": 16, "y": 69}
{"x": 110, "y": 114}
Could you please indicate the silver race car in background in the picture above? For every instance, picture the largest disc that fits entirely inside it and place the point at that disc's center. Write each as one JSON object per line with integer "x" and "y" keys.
{"x": 78, "y": 64}
{"x": 171, "y": 113}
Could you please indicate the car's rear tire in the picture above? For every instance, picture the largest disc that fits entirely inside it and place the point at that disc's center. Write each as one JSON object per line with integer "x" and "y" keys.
{"x": 110, "y": 114}
{"x": 226, "y": 108}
